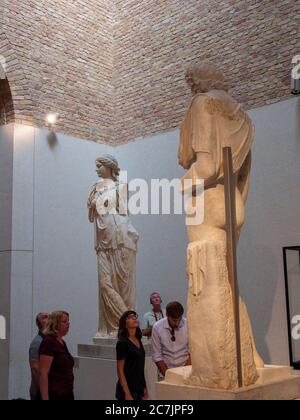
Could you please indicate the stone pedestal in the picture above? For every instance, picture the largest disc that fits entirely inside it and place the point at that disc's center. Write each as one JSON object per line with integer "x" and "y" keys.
{"x": 96, "y": 371}
{"x": 274, "y": 383}
{"x": 104, "y": 341}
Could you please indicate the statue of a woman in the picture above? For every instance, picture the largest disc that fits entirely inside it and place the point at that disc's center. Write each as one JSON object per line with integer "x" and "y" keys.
{"x": 116, "y": 246}
{"x": 213, "y": 121}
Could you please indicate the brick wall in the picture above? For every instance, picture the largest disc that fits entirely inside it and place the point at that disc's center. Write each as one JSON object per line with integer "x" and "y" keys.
{"x": 63, "y": 53}
{"x": 17, "y": 87}
{"x": 114, "y": 69}
{"x": 252, "y": 41}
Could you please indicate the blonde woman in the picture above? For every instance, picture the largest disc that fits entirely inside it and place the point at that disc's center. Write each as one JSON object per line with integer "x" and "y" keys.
{"x": 56, "y": 363}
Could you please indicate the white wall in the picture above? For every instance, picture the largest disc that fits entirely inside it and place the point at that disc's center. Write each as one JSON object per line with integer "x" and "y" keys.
{"x": 52, "y": 263}
{"x": 6, "y": 177}
{"x": 51, "y": 184}
{"x": 21, "y": 257}
{"x": 163, "y": 240}
{"x": 273, "y": 221}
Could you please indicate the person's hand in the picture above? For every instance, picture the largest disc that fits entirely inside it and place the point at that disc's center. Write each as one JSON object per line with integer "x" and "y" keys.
{"x": 188, "y": 362}
{"x": 146, "y": 395}
{"x": 147, "y": 332}
{"x": 128, "y": 397}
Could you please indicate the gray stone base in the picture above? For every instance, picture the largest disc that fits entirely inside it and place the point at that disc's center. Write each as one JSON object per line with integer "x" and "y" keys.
{"x": 105, "y": 341}
{"x": 287, "y": 388}
{"x": 106, "y": 349}
{"x": 96, "y": 372}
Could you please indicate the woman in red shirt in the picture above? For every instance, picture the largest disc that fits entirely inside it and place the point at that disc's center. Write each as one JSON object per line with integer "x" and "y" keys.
{"x": 56, "y": 363}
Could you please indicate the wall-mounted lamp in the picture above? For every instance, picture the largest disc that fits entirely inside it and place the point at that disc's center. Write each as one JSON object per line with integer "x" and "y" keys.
{"x": 51, "y": 120}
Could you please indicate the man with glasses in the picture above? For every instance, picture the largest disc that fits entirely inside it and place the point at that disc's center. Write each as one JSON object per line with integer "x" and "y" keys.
{"x": 170, "y": 340}
{"x": 156, "y": 314}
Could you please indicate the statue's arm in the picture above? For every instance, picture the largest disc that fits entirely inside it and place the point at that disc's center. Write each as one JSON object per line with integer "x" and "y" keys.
{"x": 205, "y": 166}
{"x": 92, "y": 215}
{"x": 191, "y": 133}
{"x": 186, "y": 159}
{"x": 203, "y": 169}
{"x": 91, "y": 204}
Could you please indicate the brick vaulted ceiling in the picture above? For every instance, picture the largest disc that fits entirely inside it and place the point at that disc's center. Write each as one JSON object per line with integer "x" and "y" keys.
{"x": 114, "y": 69}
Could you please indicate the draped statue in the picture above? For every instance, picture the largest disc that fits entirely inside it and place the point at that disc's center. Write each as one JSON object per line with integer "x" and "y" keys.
{"x": 214, "y": 120}
{"x": 115, "y": 244}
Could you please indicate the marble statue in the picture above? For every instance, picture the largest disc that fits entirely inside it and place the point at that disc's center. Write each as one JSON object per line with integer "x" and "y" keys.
{"x": 116, "y": 246}
{"x": 215, "y": 120}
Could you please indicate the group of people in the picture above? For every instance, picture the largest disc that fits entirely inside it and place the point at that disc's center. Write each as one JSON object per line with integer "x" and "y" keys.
{"x": 50, "y": 360}
{"x": 169, "y": 335}
{"x": 52, "y": 364}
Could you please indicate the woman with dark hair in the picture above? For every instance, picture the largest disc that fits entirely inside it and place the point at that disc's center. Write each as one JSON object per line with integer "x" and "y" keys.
{"x": 130, "y": 360}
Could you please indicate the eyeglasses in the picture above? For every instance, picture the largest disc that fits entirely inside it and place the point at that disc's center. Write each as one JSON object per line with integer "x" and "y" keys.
{"x": 132, "y": 316}
{"x": 173, "y": 338}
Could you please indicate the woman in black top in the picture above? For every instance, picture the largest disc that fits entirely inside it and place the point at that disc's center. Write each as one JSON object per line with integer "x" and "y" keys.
{"x": 130, "y": 360}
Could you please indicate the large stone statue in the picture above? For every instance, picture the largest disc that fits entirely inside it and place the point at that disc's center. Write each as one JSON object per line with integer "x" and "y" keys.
{"x": 116, "y": 246}
{"x": 215, "y": 120}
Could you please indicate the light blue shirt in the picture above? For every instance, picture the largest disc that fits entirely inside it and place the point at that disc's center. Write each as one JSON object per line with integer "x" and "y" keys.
{"x": 173, "y": 353}
{"x": 150, "y": 318}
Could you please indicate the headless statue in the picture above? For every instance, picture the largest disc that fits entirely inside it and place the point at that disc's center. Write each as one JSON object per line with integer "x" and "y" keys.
{"x": 213, "y": 121}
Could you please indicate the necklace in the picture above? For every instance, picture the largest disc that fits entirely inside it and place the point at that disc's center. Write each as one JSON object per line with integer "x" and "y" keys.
{"x": 160, "y": 316}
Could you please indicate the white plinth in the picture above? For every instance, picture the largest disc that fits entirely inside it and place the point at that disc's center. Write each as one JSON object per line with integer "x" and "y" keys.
{"x": 275, "y": 383}
{"x": 96, "y": 372}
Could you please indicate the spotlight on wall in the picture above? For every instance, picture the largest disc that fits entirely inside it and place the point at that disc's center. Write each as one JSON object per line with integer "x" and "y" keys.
{"x": 51, "y": 121}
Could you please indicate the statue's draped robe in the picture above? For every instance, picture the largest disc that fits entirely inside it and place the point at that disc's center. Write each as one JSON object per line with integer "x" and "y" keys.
{"x": 116, "y": 247}
{"x": 214, "y": 121}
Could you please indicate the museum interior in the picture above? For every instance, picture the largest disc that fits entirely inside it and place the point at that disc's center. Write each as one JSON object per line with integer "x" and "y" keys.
{"x": 160, "y": 94}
